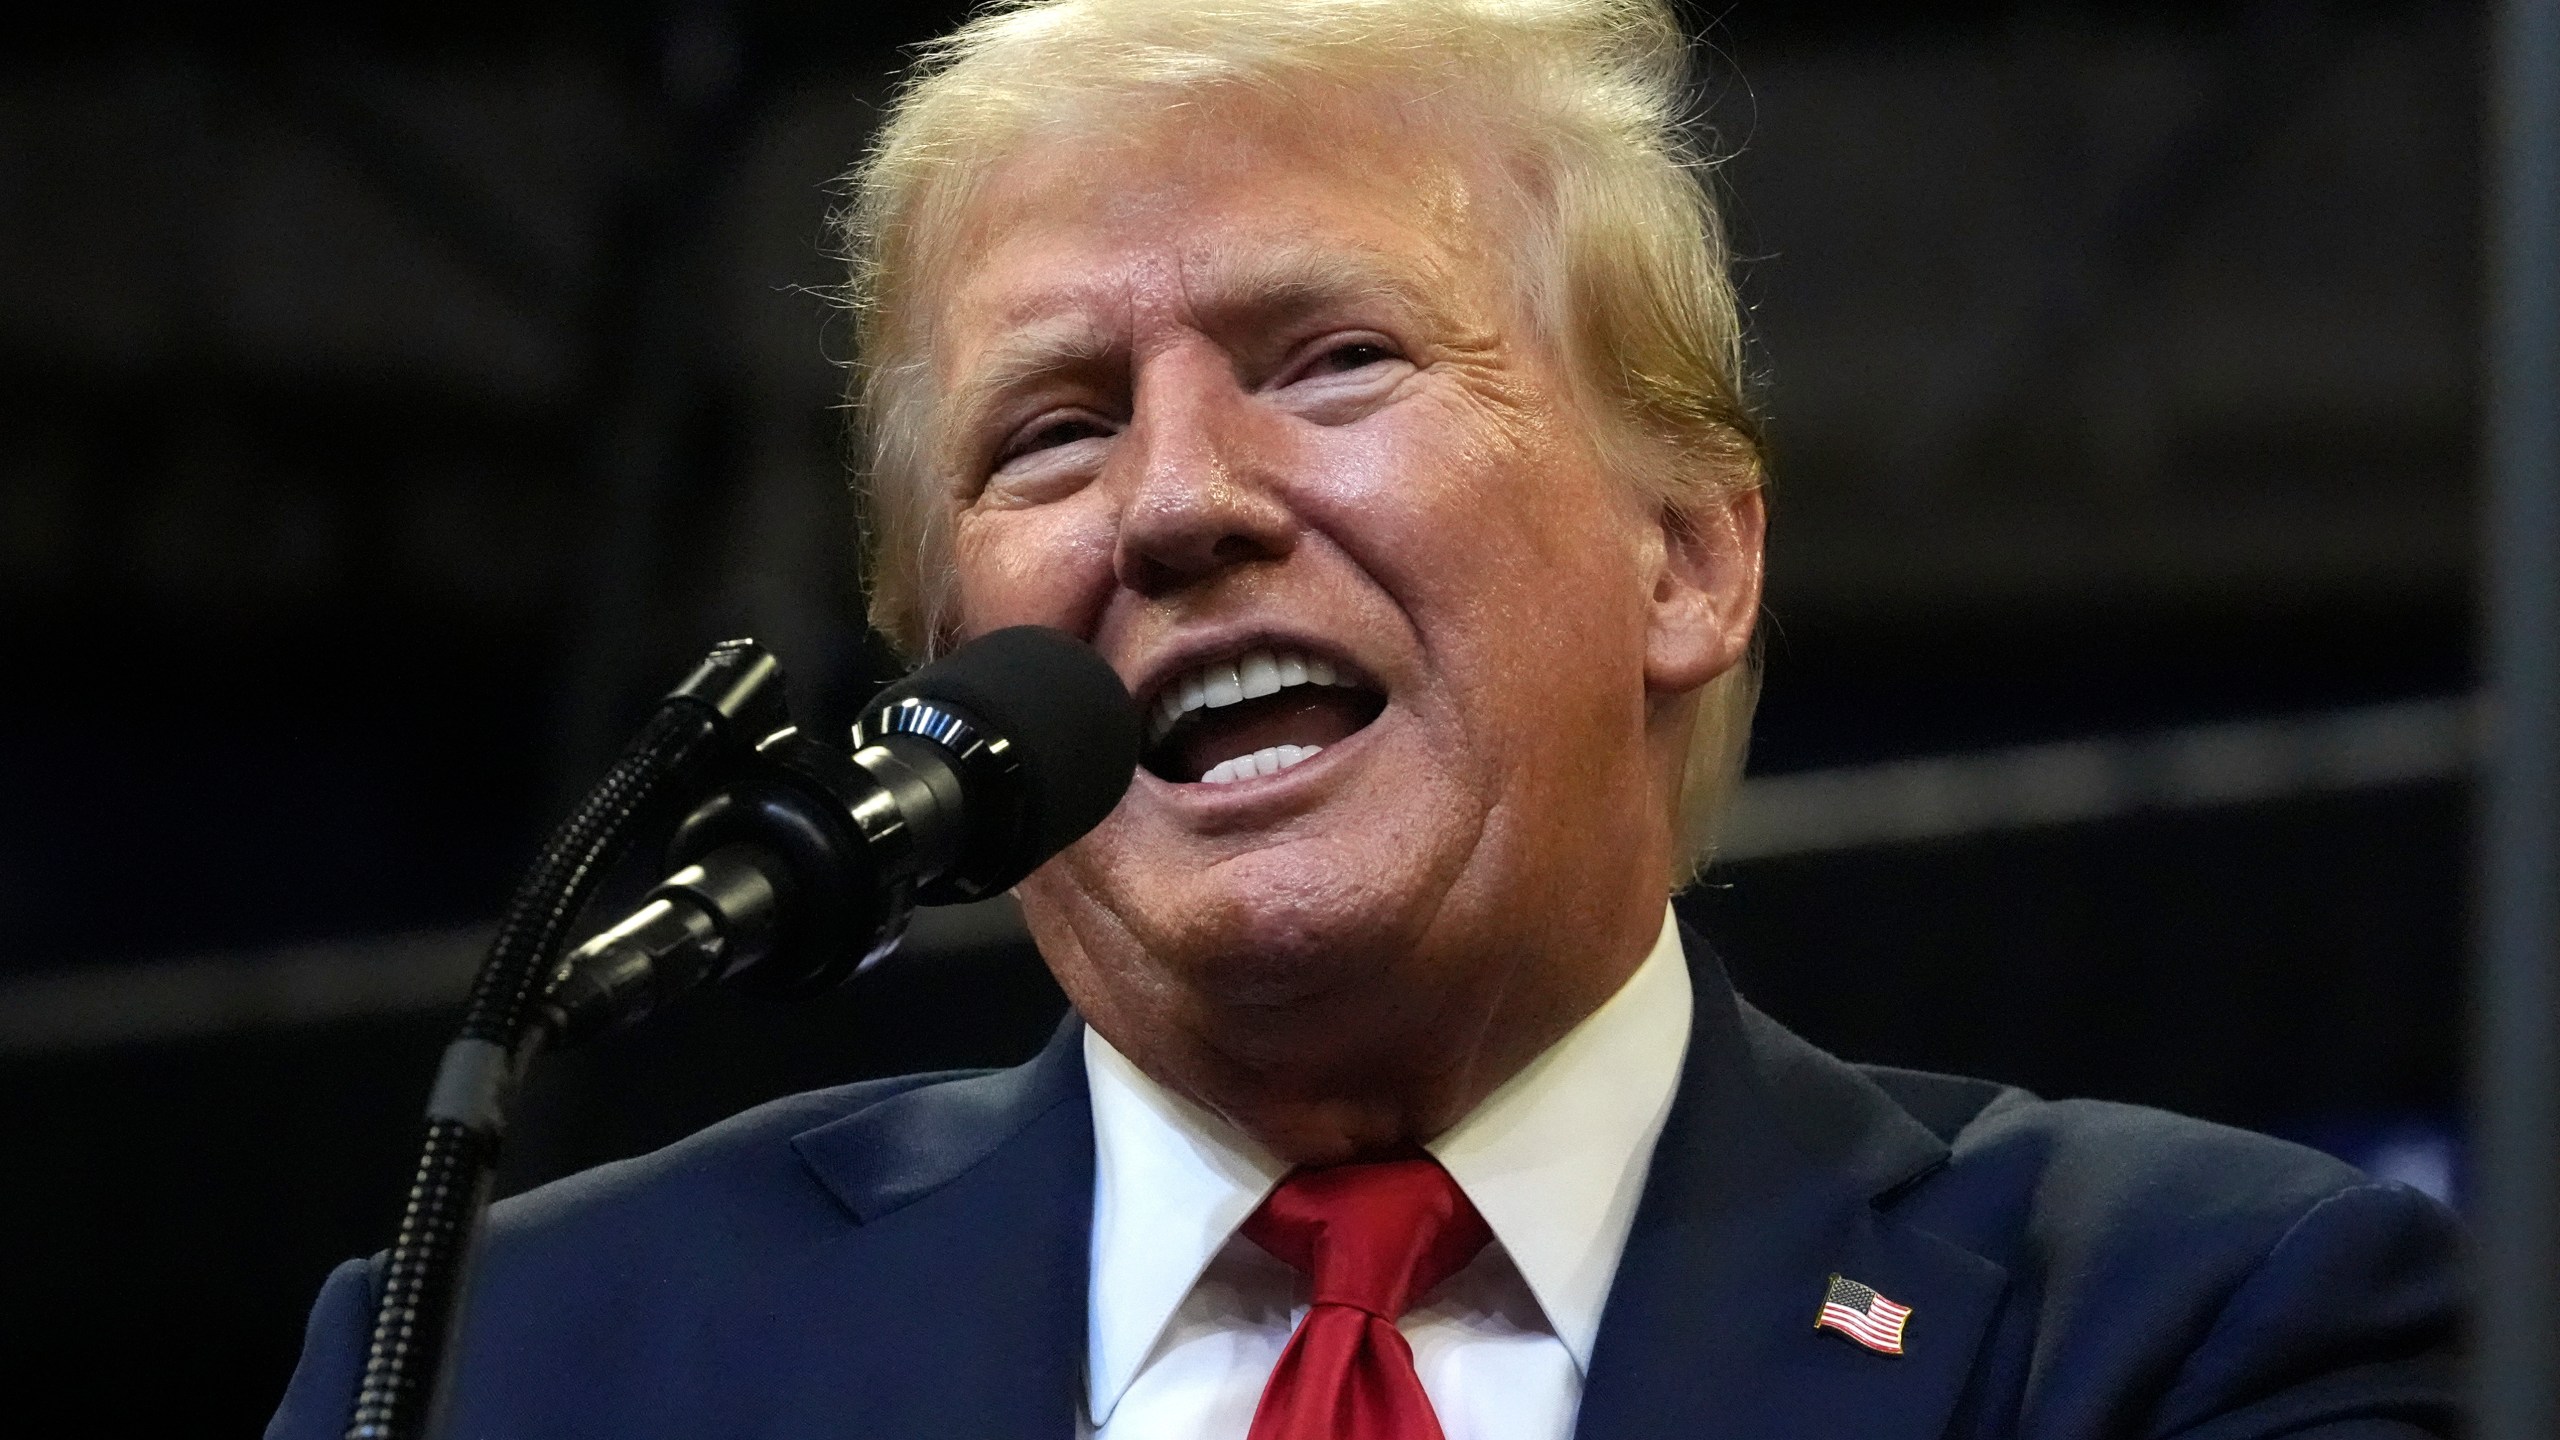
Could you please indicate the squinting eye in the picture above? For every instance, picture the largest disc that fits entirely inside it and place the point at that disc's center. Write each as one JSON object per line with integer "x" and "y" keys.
{"x": 1049, "y": 434}
{"x": 1358, "y": 355}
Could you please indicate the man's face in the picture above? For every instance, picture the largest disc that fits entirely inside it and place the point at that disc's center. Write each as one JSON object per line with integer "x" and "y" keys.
{"x": 1247, "y": 409}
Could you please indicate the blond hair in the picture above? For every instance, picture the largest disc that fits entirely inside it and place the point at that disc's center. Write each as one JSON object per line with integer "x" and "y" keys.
{"x": 1625, "y": 264}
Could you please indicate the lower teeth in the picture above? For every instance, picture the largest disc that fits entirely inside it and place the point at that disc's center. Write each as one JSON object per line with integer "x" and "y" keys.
{"x": 1270, "y": 760}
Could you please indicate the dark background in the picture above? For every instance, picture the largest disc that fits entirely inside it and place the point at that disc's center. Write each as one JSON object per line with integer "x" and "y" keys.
{"x": 396, "y": 398}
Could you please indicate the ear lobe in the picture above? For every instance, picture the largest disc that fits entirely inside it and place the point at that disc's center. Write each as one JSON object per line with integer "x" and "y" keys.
{"x": 1706, "y": 595}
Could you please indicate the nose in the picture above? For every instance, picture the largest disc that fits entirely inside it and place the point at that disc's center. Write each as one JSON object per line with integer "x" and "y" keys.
{"x": 1200, "y": 491}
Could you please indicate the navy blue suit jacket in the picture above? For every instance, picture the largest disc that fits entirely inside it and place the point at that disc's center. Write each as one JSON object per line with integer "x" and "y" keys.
{"x": 906, "y": 1259}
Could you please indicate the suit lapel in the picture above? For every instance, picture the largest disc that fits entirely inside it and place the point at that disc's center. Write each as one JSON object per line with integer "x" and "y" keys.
{"x": 966, "y": 1276}
{"x": 970, "y": 1207}
{"x": 1774, "y": 1172}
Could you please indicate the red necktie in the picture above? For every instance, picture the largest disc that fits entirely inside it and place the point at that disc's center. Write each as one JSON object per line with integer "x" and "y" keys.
{"x": 1374, "y": 1238}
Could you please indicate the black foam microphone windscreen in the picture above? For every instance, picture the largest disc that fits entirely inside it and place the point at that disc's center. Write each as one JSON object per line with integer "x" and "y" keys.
{"x": 1064, "y": 709}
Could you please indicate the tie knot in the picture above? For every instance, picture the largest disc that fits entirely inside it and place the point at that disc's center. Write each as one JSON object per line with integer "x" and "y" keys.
{"x": 1374, "y": 1237}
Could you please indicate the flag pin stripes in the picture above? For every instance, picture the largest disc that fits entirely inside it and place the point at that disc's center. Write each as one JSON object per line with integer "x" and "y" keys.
{"x": 1863, "y": 1315}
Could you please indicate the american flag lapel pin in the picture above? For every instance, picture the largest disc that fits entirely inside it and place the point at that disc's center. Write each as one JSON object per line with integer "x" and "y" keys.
{"x": 1863, "y": 1315}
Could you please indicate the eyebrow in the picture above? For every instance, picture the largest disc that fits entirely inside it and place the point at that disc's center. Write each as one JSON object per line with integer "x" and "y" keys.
{"x": 1294, "y": 279}
{"x": 1235, "y": 290}
{"x": 1060, "y": 345}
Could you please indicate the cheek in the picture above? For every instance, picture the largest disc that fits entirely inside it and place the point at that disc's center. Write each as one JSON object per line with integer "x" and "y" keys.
{"x": 1499, "y": 542}
{"x": 1408, "y": 494}
{"x": 1044, "y": 565}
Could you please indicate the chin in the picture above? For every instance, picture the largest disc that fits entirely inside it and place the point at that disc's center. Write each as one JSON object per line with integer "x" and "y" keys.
{"x": 1283, "y": 924}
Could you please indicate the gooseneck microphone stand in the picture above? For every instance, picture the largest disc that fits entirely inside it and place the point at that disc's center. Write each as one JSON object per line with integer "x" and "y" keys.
{"x": 797, "y": 863}
{"x": 706, "y": 726}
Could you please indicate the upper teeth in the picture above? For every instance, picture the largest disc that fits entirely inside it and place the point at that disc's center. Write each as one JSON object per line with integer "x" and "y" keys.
{"x": 1246, "y": 677}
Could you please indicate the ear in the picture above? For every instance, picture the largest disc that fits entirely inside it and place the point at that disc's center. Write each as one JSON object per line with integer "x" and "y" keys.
{"x": 1706, "y": 591}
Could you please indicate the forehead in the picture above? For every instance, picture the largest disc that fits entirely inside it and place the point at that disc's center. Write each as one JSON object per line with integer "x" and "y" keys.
{"x": 1225, "y": 208}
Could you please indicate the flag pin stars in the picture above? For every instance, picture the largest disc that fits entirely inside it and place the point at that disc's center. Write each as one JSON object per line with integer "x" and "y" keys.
{"x": 1863, "y": 1316}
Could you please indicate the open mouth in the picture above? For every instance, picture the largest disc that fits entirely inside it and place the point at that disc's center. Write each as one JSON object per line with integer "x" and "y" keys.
{"x": 1253, "y": 714}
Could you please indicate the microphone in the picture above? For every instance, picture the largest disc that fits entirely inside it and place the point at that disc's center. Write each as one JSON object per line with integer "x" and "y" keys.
{"x": 803, "y": 863}
{"x": 960, "y": 780}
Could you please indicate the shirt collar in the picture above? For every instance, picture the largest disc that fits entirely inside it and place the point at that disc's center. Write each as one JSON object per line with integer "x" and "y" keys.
{"x": 1171, "y": 1184}
{"x": 1554, "y": 1159}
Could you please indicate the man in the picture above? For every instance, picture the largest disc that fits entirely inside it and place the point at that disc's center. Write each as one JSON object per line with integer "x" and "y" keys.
{"x": 1359, "y": 377}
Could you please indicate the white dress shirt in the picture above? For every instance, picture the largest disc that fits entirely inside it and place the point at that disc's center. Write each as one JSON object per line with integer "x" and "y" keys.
{"x": 1187, "y": 1317}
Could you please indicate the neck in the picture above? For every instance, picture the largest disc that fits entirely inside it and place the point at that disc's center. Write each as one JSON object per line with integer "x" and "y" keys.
{"x": 1372, "y": 1071}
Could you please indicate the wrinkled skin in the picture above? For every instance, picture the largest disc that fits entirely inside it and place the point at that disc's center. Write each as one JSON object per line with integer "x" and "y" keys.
{"x": 1220, "y": 383}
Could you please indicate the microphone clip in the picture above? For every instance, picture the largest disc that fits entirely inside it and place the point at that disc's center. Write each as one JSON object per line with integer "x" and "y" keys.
{"x": 802, "y": 867}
